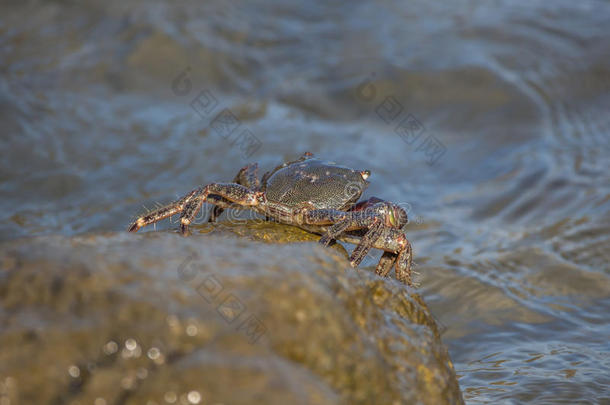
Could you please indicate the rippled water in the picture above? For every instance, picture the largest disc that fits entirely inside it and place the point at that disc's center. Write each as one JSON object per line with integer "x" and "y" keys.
{"x": 510, "y": 224}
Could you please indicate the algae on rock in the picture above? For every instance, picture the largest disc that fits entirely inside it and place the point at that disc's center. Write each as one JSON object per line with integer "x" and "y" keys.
{"x": 157, "y": 318}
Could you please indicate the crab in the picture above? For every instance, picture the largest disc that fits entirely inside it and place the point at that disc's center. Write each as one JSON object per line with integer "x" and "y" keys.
{"x": 314, "y": 195}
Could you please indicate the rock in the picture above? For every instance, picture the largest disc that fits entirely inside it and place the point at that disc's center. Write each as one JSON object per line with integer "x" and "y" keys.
{"x": 157, "y": 318}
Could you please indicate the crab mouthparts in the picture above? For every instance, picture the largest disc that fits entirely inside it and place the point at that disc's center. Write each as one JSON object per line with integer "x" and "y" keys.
{"x": 365, "y": 174}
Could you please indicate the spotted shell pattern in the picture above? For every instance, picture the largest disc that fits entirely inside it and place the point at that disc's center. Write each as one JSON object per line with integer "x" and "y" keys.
{"x": 321, "y": 184}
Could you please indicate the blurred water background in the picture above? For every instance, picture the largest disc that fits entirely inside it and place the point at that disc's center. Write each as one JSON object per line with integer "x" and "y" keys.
{"x": 490, "y": 118}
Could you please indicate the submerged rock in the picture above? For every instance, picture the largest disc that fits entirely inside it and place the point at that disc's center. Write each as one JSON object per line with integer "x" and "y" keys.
{"x": 156, "y": 318}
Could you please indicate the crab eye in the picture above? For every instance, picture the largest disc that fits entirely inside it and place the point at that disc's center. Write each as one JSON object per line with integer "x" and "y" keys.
{"x": 392, "y": 217}
{"x": 365, "y": 174}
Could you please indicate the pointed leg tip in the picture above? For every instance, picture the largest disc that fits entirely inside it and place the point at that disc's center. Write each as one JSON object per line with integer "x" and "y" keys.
{"x": 405, "y": 278}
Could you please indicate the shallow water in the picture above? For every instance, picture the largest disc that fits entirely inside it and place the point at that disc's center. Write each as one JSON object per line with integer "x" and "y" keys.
{"x": 510, "y": 224}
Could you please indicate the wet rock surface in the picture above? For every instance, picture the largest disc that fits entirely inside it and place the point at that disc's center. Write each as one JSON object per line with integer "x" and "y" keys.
{"x": 158, "y": 318}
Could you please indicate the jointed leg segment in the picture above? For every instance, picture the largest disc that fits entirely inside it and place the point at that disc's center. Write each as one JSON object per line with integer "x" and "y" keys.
{"x": 379, "y": 234}
{"x": 385, "y": 264}
{"x": 247, "y": 177}
{"x": 189, "y": 205}
{"x": 161, "y": 213}
{"x": 232, "y": 192}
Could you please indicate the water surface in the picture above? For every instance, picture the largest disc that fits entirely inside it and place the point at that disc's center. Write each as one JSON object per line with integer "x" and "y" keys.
{"x": 510, "y": 225}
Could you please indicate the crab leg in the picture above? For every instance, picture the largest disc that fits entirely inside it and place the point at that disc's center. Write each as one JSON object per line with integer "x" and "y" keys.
{"x": 223, "y": 193}
{"x": 235, "y": 193}
{"x": 343, "y": 221}
{"x": 324, "y": 216}
{"x": 397, "y": 251}
{"x": 362, "y": 215}
{"x": 366, "y": 243}
{"x": 403, "y": 265}
{"x": 394, "y": 243}
{"x": 221, "y": 202}
{"x": 386, "y": 262}
{"x": 247, "y": 177}
{"x": 161, "y": 213}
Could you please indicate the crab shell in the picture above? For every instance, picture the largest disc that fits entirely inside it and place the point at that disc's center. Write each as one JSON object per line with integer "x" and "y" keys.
{"x": 322, "y": 185}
